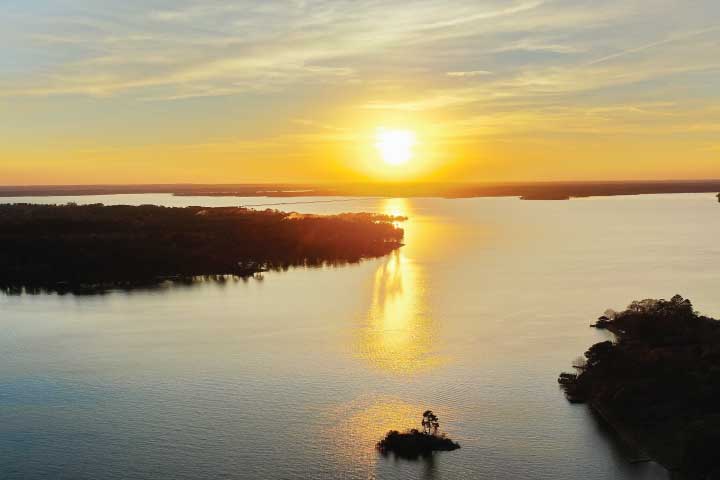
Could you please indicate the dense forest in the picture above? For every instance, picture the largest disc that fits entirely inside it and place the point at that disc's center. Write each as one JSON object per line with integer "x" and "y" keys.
{"x": 71, "y": 246}
{"x": 658, "y": 383}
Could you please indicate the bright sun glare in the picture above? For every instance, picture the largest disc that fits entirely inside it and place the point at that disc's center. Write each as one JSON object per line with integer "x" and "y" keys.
{"x": 395, "y": 146}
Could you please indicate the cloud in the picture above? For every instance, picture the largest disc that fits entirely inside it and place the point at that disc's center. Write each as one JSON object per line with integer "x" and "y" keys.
{"x": 674, "y": 38}
{"x": 490, "y": 66}
{"x": 215, "y": 48}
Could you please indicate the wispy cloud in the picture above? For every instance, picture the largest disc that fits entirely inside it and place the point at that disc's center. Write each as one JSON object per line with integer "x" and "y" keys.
{"x": 308, "y": 69}
{"x": 204, "y": 48}
{"x": 673, "y": 38}
{"x": 469, "y": 73}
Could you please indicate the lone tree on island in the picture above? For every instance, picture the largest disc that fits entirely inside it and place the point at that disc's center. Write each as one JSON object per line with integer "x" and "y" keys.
{"x": 414, "y": 443}
{"x": 430, "y": 423}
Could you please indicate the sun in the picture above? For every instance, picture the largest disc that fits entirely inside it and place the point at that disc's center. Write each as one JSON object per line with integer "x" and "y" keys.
{"x": 395, "y": 146}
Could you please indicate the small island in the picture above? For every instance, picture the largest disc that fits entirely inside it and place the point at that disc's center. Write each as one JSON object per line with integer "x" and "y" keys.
{"x": 93, "y": 247}
{"x": 658, "y": 383}
{"x": 415, "y": 443}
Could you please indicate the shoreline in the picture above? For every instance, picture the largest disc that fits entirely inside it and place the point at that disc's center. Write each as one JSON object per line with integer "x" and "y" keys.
{"x": 633, "y": 438}
{"x": 654, "y": 384}
{"x": 91, "y": 247}
{"x": 639, "y": 441}
{"x": 524, "y": 190}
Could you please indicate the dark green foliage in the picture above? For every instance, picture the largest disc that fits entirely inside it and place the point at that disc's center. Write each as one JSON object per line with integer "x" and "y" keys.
{"x": 599, "y": 352}
{"x": 701, "y": 453}
{"x": 662, "y": 374}
{"x": 47, "y": 246}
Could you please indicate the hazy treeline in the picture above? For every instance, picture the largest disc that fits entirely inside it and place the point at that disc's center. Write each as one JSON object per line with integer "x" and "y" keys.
{"x": 526, "y": 190}
{"x": 660, "y": 380}
{"x": 48, "y": 245}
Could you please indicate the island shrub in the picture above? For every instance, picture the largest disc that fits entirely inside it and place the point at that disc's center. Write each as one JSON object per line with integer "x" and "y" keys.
{"x": 414, "y": 443}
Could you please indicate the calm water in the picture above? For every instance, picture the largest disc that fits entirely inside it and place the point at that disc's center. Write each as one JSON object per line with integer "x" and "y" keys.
{"x": 298, "y": 375}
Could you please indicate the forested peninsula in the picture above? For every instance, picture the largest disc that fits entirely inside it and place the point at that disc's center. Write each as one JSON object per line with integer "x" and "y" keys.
{"x": 72, "y": 247}
{"x": 658, "y": 383}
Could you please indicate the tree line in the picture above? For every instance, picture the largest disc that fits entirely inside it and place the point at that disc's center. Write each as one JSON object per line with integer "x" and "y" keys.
{"x": 56, "y": 245}
{"x": 659, "y": 378}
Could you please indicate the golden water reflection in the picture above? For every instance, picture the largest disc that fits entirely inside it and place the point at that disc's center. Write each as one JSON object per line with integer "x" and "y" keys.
{"x": 365, "y": 420}
{"x": 399, "y": 332}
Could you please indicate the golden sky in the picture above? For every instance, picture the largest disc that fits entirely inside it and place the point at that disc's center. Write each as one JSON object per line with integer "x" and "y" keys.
{"x": 297, "y": 90}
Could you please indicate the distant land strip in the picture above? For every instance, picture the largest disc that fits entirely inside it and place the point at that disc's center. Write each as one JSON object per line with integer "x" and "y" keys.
{"x": 272, "y": 204}
{"x": 526, "y": 191}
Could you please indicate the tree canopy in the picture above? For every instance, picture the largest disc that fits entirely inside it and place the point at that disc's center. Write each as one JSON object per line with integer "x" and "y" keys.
{"x": 50, "y": 246}
{"x": 659, "y": 379}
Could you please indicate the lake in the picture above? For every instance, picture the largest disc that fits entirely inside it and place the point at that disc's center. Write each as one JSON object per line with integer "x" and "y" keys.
{"x": 298, "y": 374}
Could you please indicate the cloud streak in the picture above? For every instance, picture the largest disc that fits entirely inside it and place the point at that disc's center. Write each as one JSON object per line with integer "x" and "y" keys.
{"x": 231, "y": 48}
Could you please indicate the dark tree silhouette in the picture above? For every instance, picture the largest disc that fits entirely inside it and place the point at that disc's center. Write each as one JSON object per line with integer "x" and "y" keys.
{"x": 414, "y": 443}
{"x": 657, "y": 382}
{"x": 60, "y": 247}
{"x": 430, "y": 423}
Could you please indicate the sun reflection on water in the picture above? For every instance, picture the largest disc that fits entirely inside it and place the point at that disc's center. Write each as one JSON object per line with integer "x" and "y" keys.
{"x": 366, "y": 419}
{"x": 359, "y": 424}
{"x": 399, "y": 331}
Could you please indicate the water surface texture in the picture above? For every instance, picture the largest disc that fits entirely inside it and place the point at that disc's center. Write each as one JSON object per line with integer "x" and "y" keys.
{"x": 297, "y": 375}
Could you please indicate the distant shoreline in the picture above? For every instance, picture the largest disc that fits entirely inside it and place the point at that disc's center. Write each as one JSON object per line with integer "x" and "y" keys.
{"x": 525, "y": 191}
